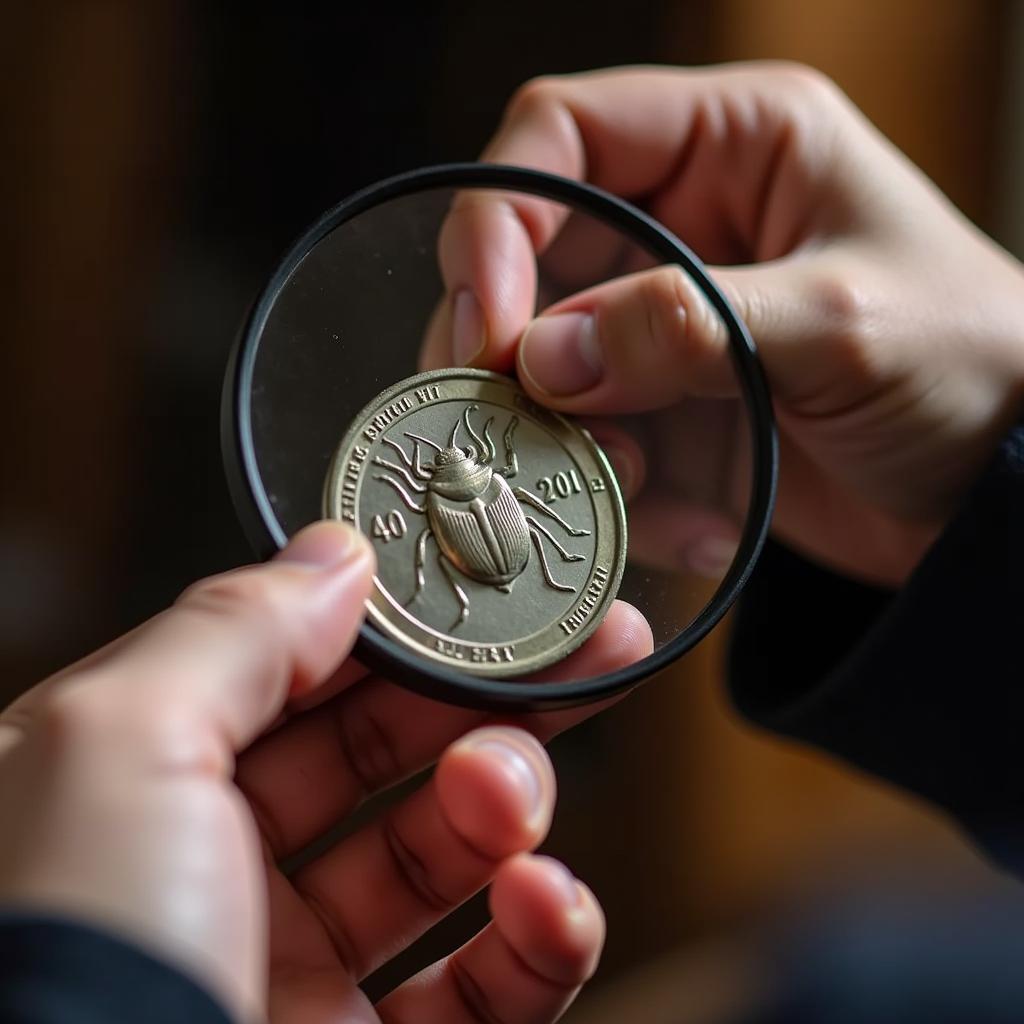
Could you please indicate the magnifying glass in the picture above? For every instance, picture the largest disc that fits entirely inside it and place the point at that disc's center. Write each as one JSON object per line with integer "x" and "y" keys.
{"x": 505, "y": 533}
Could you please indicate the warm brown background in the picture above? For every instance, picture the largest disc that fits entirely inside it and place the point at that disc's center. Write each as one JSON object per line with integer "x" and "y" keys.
{"x": 159, "y": 155}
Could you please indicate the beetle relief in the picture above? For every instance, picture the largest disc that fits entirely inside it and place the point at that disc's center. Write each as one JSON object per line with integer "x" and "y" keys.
{"x": 477, "y": 520}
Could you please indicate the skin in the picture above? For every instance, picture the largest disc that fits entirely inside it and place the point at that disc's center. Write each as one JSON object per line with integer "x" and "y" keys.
{"x": 153, "y": 788}
{"x": 889, "y": 326}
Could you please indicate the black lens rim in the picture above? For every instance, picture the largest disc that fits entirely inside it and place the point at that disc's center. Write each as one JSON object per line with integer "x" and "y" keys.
{"x": 374, "y": 649}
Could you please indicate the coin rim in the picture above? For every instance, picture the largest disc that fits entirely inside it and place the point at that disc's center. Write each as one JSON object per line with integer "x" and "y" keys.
{"x": 557, "y": 424}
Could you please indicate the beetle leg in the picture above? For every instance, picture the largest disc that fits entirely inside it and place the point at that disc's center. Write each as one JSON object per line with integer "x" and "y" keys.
{"x": 402, "y": 493}
{"x": 460, "y": 594}
{"x": 413, "y": 463}
{"x": 531, "y": 499}
{"x": 511, "y": 466}
{"x": 414, "y": 485}
{"x": 421, "y": 557}
{"x": 425, "y": 440}
{"x": 567, "y": 556}
{"x": 544, "y": 567}
{"x": 406, "y": 461}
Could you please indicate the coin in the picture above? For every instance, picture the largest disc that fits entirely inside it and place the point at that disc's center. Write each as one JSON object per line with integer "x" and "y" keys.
{"x": 498, "y": 524}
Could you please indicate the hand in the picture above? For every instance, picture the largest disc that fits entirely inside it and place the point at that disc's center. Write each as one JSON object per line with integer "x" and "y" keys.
{"x": 121, "y": 804}
{"x": 890, "y": 328}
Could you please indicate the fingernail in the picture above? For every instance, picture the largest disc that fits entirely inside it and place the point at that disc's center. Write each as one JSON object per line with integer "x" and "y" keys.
{"x": 563, "y": 880}
{"x": 711, "y": 557}
{"x": 518, "y": 768}
{"x": 324, "y": 545}
{"x": 468, "y": 333}
{"x": 560, "y": 354}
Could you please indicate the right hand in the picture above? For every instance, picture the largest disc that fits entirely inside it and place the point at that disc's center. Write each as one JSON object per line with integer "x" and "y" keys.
{"x": 890, "y": 328}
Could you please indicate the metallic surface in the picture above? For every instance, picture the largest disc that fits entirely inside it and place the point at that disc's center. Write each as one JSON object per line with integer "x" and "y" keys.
{"x": 498, "y": 525}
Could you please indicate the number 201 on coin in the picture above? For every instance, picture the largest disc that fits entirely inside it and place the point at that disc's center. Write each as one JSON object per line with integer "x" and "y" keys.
{"x": 562, "y": 485}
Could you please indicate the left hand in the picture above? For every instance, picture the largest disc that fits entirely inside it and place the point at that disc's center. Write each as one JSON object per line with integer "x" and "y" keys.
{"x": 121, "y": 804}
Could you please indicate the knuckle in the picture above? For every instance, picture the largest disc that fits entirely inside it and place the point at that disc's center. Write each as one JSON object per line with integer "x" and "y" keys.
{"x": 414, "y": 873}
{"x": 664, "y": 302}
{"x": 85, "y": 713}
{"x": 251, "y": 594}
{"x": 367, "y": 746}
{"x": 845, "y": 311}
{"x": 249, "y": 602}
{"x": 840, "y": 302}
{"x": 804, "y": 81}
{"x": 533, "y": 95}
{"x": 229, "y": 589}
{"x": 77, "y": 710}
{"x": 333, "y": 925}
{"x": 472, "y": 994}
{"x": 679, "y": 321}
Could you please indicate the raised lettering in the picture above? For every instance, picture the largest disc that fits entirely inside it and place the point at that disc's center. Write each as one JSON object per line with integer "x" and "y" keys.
{"x": 350, "y": 482}
{"x": 591, "y": 598}
{"x": 430, "y": 393}
{"x": 493, "y": 655}
{"x": 450, "y": 650}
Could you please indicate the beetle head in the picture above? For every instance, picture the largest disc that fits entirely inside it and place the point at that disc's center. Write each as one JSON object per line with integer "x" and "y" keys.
{"x": 458, "y": 473}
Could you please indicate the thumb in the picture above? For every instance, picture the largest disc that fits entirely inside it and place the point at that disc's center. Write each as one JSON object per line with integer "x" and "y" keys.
{"x": 220, "y": 664}
{"x": 646, "y": 340}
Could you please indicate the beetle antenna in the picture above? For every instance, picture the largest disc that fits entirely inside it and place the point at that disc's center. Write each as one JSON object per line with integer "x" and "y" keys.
{"x": 487, "y": 438}
{"x": 455, "y": 430}
{"x": 425, "y": 440}
{"x": 478, "y": 441}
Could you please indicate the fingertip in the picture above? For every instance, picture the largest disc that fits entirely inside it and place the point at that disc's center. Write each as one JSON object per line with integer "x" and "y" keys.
{"x": 489, "y": 270}
{"x": 550, "y": 918}
{"x": 634, "y": 638}
{"x": 327, "y": 544}
{"x": 623, "y": 638}
{"x": 497, "y": 788}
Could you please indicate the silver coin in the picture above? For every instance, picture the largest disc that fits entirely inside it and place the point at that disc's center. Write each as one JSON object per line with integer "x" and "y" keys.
{"x": 498, "y": 525}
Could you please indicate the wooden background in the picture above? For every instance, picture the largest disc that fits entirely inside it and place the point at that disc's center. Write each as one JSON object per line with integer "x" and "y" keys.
{"x": 160, "y": 156}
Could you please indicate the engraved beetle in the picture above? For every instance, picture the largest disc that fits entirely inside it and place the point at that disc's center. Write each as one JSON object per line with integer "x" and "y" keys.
{"x": 473, "y": 515}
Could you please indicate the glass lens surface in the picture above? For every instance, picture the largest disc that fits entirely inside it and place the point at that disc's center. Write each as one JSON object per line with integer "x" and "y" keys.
{"x": 367, "y": 306}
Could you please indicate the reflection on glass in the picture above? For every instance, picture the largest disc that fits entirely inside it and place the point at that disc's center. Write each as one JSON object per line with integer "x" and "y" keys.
{"x": 351, "y": 320}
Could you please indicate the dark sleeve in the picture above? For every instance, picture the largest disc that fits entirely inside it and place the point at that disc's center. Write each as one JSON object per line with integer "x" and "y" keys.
{"x": 54, "y": 971}
{"x": 923, "y": 687}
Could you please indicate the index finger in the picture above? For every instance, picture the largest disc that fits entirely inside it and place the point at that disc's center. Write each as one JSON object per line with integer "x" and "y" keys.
{"x": 701, "y": 148}
{"x": 489, "y": 240}
{"x": 314, "y": 771}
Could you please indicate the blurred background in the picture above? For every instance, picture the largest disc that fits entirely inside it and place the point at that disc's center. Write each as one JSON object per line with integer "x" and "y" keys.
{"x": 160, "y": 155}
